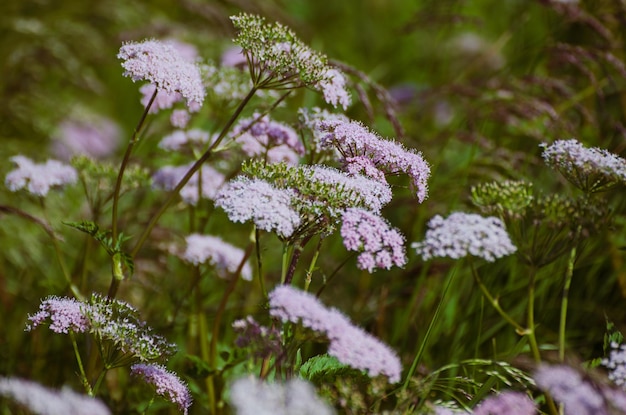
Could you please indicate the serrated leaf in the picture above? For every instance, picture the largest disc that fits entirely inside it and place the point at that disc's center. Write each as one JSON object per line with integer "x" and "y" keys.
{"x": 325, "y": 368}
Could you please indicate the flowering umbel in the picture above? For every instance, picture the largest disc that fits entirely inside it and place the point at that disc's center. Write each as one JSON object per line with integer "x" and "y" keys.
{"x": 590, "y": 169}
{"x": 166, "y": 384}
{"x": 278, "y": 59}
{"x": 162, "y": 65}
{"x": 349, "y": 344}
{"x": 38, "y": 179}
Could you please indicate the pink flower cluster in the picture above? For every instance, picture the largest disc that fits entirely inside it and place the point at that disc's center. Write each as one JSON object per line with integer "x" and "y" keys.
{"x": 351, "y": 345}
{"x": 271, "y": 140}
{"x": 255, "y": 200}
{"x": 355, "y": 142}
{"x": 462, "y": 234}
{"x": 166, "y": 383}
{"x": 380, "y": 245}
{"x": 162, "y": 65}
{"x": 65, "y": 314}
{"x": 213, "y": 250}
{"x": 168, "y": 177}
{"x": 507, "y": 402}
{"x": 38, "y": 179}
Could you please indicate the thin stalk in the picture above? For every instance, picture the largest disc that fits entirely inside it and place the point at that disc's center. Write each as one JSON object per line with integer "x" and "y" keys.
{"x": 564, "y": 301}
{"x": 81, "y": 368}
{"x": 309, "y": 272}
{"x": 530, "y": 318}
{"x": 120, "y": 174}
{"x": 422, "y": 346}
{"x": 494, "y": 302}
{"x": 174, "y": 193}
{"x": 259, "y": 262}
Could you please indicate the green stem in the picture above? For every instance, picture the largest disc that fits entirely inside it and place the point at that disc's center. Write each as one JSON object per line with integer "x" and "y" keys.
{"x": 530, "y": 319}
{"x": 100, "y": 379}
{"x": 564, "y": 301}
{"x": 494, "y": 302}
{"x": 81, "y": 368}
{"x": 422, "y": 346}
{"x": 120, "y": 174}
{"x": 174, "y": 193}
{"x": 309, "y": 272}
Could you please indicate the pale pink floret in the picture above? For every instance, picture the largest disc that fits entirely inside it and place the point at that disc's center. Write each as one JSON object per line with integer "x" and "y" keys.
{"x": 44, "y": 401}
{"x": 162, "y": 65}
{"x": 380, "y": 245}
{"x": 38, "y": 179}
{"x": 65, "y": 314}
{"x": 349, "y": 344}
{"x": 93, "y": 136}
{"x": 367, "y": 192}
{"x": 255, "y": 200}
{"x": 353, "y": 139}
{"x": 462, "y": 234}
{"x": 225, "y": 257}
{"x": 333, "y": 86}
{"x": 166, "y": 383}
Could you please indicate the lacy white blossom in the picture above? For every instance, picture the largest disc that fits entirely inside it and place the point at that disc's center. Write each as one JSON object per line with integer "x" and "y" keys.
{"x": 349, "y": 344}
{"x": 38, "y": 179}
{"x": 44, "y": 401}
{"x": 162, "y": 65}
{"x": 590, "y": 169}
{"x": 258, "y": 201}
{"x": 462, "y": 234}
{"x": 251, "y": 396}
{"x": 213, "y": 250}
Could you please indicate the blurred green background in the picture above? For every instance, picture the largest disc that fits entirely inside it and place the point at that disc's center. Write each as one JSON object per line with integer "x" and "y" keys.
{"x": 478, "y": 86}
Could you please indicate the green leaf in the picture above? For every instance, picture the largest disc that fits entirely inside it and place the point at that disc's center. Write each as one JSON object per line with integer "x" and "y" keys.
{"x": 325, "y": 368}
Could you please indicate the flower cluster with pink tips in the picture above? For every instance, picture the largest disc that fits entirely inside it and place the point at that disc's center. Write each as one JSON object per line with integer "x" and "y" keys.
{"x": 225, "y": 258}
{"x": 166, "y": 384}
{"x": 354, "y": 141}
{"x": 38, "y": 179}
{"x": 349, "y": 344}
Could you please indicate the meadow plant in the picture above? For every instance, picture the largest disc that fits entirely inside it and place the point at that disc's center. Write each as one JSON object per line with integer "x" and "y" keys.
{"x": 221, "y": 152}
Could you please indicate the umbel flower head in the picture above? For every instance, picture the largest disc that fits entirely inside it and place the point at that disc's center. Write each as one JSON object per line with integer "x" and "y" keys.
{"x": 121, "y": 335}
{"x": 44, "y": 401}
{"x": 166, "y": 384}
{"x": 206, "y": 186}
{"x": 224, "y": 257}
{"x": 278, "y": 59}
{"x": 380, "y": 245}
{"x": 507, "y": 402}
{"x": 162, "y": 65}
{"x": 251, "y": 396}
{"x": 38, "y": 179}
{"x": 364, "y": 152}
{"x": 590, "y": 169}
{"x": 349, "y": 344}
{"x": 462, "y": 234}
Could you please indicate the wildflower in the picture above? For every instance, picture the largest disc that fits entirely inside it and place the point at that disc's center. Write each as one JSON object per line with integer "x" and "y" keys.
{"x": 590, "y": 169}
{"x": 278, "y": 59}
{"x": 256, "y": 200}
{"x": 166, "y": 383}
{"x": 39, "y": 178}
{"x": 567, "y": 386}
{"x": 507, "y": 402}
{"x": 180, "y": 118}
{"x": 89, "y": 135}
{"x": 194, "y": 138}
{"x": 263, "y": 341}
{"x": 44, "y": 401}
{"x": 380, "y": 245}
{"x": 160, "y": 64}
{"x": 119, "y": 323}
{"x": 275, "y": 142}
{"x": 363, "y": 191}
{"x": 348, "y": 343}
{"x": 462, "y": 234}
{"x": 508, "y": 199}
{"x": 65, "y": 314}
{"x": 164, "y": 100}
{"x": 250, "y": 396}
{"x": 311, "y": 120}
{"x": 616, "y": 363}
{"x": 353, "y": 139}
{"x": 168, "y": 177}
{"x": 224, "y": 257}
